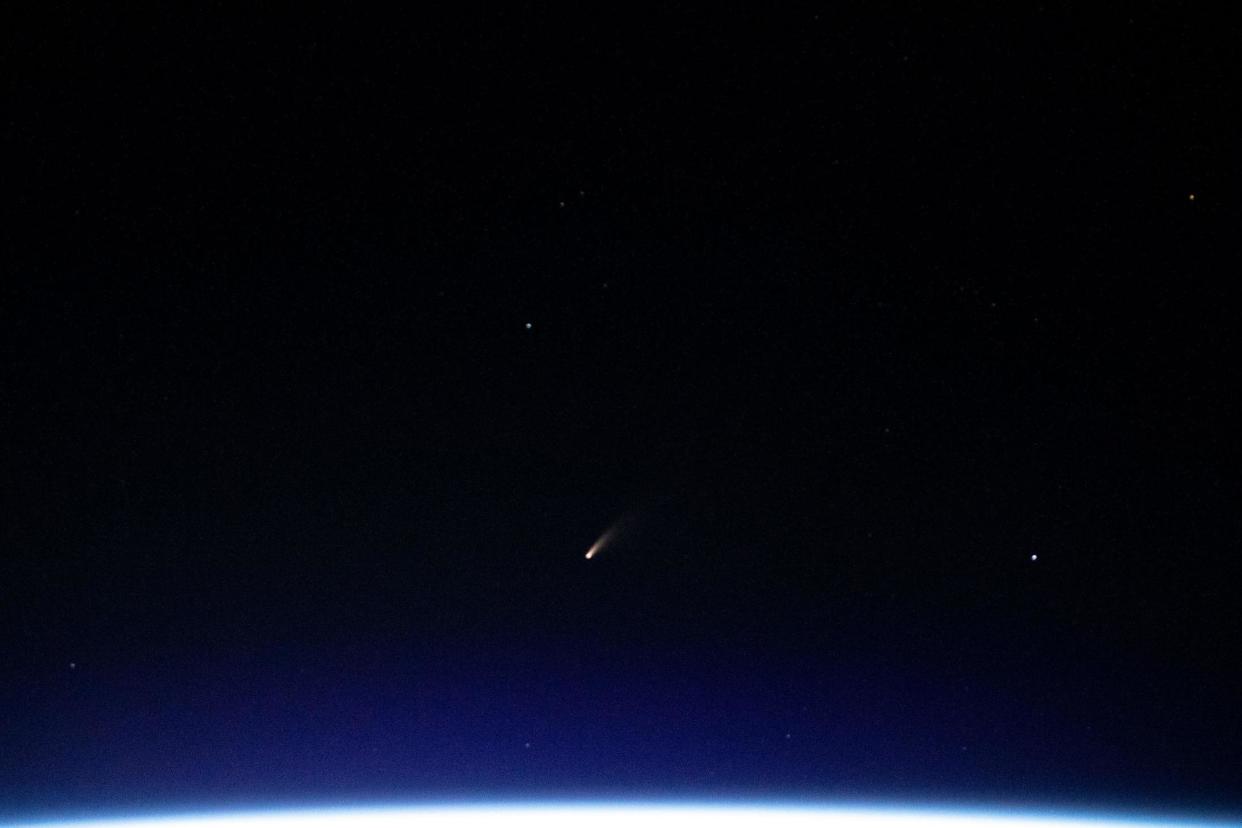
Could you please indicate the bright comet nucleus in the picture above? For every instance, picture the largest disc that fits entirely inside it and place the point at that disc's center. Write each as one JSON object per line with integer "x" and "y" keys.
{"x": 629, "y": 816}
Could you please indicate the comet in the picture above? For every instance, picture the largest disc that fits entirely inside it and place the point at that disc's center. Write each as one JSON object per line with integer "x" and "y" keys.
{"x": 620, "y": 528}
{"x": 603, "y": 541}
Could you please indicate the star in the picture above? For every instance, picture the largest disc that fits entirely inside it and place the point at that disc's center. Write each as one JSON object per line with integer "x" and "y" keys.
{"x": 1034, "y": 557}
{"x": 528, "y": 326}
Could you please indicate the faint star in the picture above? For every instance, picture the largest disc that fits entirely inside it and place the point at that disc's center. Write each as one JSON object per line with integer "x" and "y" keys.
{"x": 528, "y": 326}
{"x": 1192, "y": 196}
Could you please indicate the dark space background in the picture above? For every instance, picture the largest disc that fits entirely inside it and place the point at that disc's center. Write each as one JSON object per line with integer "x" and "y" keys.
{"x": 903, "y": 344}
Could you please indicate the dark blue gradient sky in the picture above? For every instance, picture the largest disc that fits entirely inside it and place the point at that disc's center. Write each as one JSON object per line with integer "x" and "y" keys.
{"x": 331, "y": 343}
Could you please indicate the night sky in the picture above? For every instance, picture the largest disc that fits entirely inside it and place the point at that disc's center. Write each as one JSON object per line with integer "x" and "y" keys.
{"x": 899, "y": 347}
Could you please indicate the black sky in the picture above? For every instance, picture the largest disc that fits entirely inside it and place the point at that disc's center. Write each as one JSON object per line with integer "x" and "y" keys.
{"x": 903, "y": 342}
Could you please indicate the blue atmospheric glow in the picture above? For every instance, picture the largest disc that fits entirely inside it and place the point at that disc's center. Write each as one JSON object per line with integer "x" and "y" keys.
{"x": 630, "y": 816}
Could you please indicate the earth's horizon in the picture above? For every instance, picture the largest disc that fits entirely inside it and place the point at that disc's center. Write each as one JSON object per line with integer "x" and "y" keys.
{"x": 652, "y": 815}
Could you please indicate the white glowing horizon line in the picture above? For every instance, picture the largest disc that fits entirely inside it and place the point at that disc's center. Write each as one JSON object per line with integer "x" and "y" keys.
{"x": 656, "y": 815}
